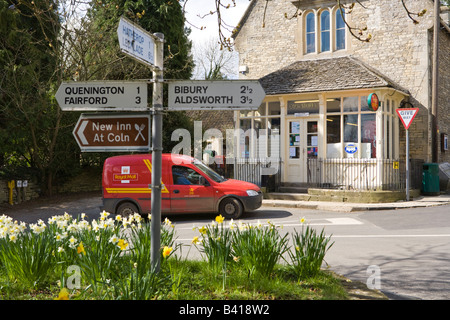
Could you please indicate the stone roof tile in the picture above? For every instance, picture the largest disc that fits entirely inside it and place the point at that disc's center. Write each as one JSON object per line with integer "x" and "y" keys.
{"x": 342, "y": 73}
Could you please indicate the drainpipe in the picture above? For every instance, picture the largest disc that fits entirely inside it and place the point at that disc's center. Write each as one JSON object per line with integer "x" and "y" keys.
{"x": 434, "y": 84}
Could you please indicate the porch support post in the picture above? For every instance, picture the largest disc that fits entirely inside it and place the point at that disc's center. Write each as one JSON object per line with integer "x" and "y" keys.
{"x": 379, "y": 141}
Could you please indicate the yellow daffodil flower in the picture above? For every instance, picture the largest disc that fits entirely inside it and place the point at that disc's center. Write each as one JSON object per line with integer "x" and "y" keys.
{"x": 195, "y": 240}
{"x": 80, "y": 249}
{"x": 219, "y": 219}
{"x": 167, "y": 251}
{"x": 63, "y": 294}
{"x": 122, "y": 244}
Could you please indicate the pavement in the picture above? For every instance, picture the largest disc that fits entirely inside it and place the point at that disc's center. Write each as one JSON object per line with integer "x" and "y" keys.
{"x": 418, "y": 202}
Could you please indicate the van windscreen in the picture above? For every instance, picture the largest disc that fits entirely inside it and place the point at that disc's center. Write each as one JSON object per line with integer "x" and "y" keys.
{"x": 209, "y": 172}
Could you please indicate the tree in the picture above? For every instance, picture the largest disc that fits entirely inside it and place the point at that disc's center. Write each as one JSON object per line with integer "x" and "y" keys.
{"x": 30, "y": 121}
{"x": 213, "y": 63}
{"x": 154, "y": 16}
{"x": 45, "y": 42}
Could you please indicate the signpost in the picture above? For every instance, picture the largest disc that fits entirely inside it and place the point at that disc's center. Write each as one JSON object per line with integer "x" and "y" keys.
{"x": 136, "y": 42}
{"x": 215, "y": 95}
{"x": 113, "y": 132}
{"x": 131, "y": 132}
{"x": 407, "y": 115}
{"x": 102, "y": 95}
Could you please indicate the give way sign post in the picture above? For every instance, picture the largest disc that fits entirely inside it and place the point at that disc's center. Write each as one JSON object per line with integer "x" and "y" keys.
{"x": 407, "y": 115}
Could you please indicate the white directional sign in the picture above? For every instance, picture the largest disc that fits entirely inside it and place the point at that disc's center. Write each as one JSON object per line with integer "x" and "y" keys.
{"x": 106, "y": 132}
{"x": 216, "y": 95}
{"x": 102, "y": 95}
{"x": 136, "y": 42}
{"x": 407, "y": 115}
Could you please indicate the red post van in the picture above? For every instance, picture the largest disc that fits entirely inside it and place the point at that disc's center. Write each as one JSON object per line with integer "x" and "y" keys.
{"x": 188, "y": 185}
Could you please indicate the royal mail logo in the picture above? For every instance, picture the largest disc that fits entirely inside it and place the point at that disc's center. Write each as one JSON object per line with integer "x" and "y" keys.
{"x": 128, "y": 176}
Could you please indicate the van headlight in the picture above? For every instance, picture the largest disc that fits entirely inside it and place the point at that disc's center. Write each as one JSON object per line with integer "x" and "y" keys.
{"x": 252, "y": 193}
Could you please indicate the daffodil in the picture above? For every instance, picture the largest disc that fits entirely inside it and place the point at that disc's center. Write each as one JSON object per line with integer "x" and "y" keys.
{"x": 202, "y": 230}
{"x": 195, "y": 240}
{"x": 167, "y": 222}
{"x": 166, "y": 251}
{"x": 63, "y": 294}
{"x": 113, "y": 239}
{"x": 12, "y": 237}
{"x": 219, "y": 219}
{"x": 122, "y": 244}
{"x": 80, "y": 249}
{"x": 302, "y": 220}
{"x": 72, "y": 242}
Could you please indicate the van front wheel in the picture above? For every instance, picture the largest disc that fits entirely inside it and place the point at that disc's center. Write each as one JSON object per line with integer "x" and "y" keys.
{"x": 230, "y": 208}
{"x": 127, "y": 209}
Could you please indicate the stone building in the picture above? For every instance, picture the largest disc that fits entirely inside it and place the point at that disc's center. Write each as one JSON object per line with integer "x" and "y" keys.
{"x": 320, "y": 81}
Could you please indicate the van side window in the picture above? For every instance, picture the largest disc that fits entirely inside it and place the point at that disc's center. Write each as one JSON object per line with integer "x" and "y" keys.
{"x": 185, "y": 176}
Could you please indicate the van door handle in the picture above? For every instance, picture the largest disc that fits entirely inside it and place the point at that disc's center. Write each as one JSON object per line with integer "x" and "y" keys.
{"x": 176, "y": 191}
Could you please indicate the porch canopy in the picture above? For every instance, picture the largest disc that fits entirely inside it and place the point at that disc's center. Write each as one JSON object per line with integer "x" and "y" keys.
{"x": 344, "y": 73}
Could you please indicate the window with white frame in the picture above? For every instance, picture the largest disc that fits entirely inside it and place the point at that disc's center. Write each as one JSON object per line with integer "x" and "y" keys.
{"x": 259, "y": 136}
{"x": 324, "y": 31}
{"x": 351, "y": 128}
{"x": 340, "y": 30}
{"x": 310, "y": 33}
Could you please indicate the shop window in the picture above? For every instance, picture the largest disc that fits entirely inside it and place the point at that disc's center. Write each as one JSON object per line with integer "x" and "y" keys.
{"x": 334, "y": 136}
{"x": 260, "y": 132}
{"x": 364, "y": 104}
{"x": 334, "y": 105}
{"x": 350, "y": 133}
{"x": 351, "y": 128}
{"x": 245, "y": 137}
{"x": 368, "y": 136}
{"x": 350, "y": 104}
{"x": 274, "y": 108}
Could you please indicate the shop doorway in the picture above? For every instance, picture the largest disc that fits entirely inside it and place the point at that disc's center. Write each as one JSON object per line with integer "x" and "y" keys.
{"x": 302, "y": 144}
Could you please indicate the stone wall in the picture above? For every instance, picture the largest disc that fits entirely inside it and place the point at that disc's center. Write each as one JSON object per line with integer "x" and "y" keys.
{"x": 444, "y": 93}
{"x": 88, "y": 180}
{"x": 19, "y": 194}
{"x": 264, "y": 49}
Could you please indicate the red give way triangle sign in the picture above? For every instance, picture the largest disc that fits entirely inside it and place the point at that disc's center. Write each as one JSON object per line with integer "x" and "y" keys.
{"x": 407, "y": 115}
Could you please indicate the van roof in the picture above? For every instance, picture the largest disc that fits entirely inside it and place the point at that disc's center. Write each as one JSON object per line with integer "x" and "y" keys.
{"x": 165, "y": 157}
